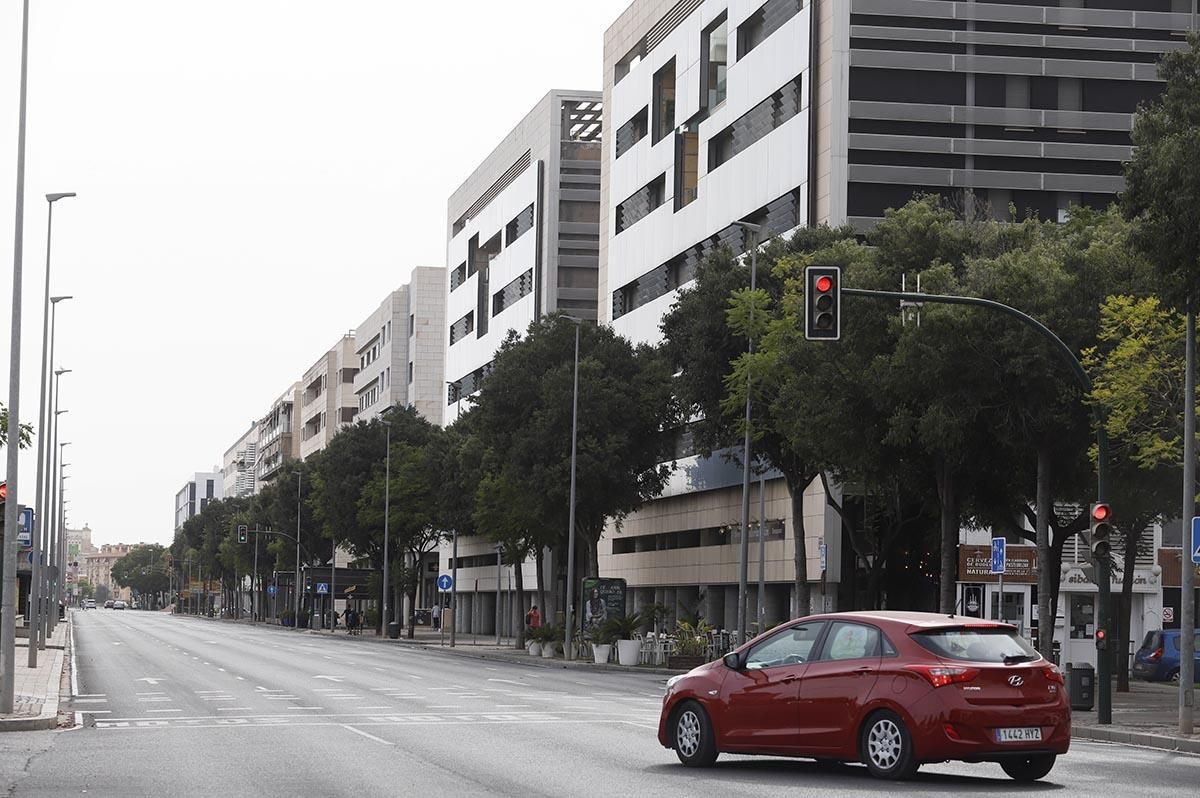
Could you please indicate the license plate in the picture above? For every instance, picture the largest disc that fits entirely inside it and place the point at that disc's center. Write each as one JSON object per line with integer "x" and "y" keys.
{"x": 1019, "y": 735}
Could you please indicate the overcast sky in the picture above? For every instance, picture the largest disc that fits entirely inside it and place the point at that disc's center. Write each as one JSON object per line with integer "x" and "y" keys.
{"x": 254, "y": 176}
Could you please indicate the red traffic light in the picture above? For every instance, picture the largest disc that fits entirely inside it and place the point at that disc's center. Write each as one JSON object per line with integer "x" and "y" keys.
{"x": 824, "y": 283}
{"x": 1100, "y": 512}
{"x": 3, "y": 491}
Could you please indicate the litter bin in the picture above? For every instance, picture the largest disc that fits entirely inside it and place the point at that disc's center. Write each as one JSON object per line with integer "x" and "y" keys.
{"x": 1081, "y": 685}
{"x": 393, "y": 630}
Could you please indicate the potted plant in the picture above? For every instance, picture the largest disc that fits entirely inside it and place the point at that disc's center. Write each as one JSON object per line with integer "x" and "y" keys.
{"x": 552, "y": 636}
{"x": 691, "y": 645}
{"x": 602, "y": 639}
{"x": 623, "y": 630}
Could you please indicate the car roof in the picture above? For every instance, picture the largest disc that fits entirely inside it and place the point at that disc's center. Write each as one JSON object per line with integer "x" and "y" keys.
{"x": 907, "y": 618}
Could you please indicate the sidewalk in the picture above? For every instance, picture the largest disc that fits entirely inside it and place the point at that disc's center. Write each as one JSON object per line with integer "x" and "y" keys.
{"x": 1148, "y": 715}
{"x": 37, "y": 689}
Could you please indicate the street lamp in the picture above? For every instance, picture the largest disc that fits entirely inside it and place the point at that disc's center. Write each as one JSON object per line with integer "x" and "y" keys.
{"x": 744, "y": 548}
{"x": 35, "y": 583}
{"x": 457, "y": 386}
{"x": 8, "y": 562}
{"x": 570, "y": 653}
{"x": 296, "y": 577}
{"x": 50, "y": 619}
{"x": 387, "y": 486}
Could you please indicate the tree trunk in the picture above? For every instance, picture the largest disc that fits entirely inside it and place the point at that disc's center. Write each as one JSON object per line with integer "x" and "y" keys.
{"x": 519, "y": 578}
{"x": 802, "y": 599}
{"x": 541, "y": 581}
{"x": 948, "y": 497}
{"x": 1045, "y": 638}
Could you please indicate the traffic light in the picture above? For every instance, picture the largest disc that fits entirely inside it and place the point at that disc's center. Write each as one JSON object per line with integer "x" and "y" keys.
{"x": 3, "y": 492}
{"x": 822, "y": 303}
{"x": 243, "y": 533}
{"x": 1101, "y": 640}
{"x": 1101, "y": 530}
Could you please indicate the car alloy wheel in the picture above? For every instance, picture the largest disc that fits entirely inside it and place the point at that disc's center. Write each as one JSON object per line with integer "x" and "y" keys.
{"x": 887, "y": 747}
{"x": 694, "y": 744}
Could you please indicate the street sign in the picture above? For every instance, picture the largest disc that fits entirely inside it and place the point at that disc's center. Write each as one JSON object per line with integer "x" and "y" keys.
{"x": 445, "y": 582}
{"x": 1196, "y": 540}
{"x": 999, "y": 558}
{"x": 322, "y": 587}
{"x": 824, "y": 554}
{"x": 25, "y": 532}
{"x": 270, "y": 590}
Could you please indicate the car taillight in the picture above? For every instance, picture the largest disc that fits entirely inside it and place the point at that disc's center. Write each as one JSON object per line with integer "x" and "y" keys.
{"x": 1053, "y": 674}
{"x": 942, "y": 675}
{"x": 1155, "y": 655}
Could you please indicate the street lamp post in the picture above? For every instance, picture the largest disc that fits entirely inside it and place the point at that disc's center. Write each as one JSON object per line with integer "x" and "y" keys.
{"x": 54, "y": 551}
{"x": 8, "y": 562}
{"x": 457, "y": 386}
{"x": 387, "y": 486}
{"x": 50, "y": 616}
{"x": 296, "y": 578}
{"x": 744, "y": 548}
{"x": 35, "y": 581}
{"x": 570, "y": 652}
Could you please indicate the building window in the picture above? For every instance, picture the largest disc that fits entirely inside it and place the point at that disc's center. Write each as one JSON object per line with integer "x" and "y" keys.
{"x": 505, "y": 297}
{"x": 629, "y": 61}
{"x": 687, "y": 154}
{"x": 664, "y": 101}
{"x": 412, "y": 325}
{"x": 640, "y": 203}
{"x": 714, "y": 52}
{"x": 461, "y": 328}
{"x": 458, "y": 276}
{"x": 756, "y": 123}
{"x": 1016, "y": 91}
{"x": 765, "y": 21}
{"x": 520, "y": 225}
{"x": 632, "y": 132}
{"x": 410, "y": 372}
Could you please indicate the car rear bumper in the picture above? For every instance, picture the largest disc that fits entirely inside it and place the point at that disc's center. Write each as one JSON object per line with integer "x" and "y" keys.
{"x": 972, "y": 734}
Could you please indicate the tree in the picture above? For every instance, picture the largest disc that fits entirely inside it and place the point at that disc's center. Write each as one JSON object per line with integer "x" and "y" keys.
{"x": 623, "y": 445}
{"x": 26, "y": 430}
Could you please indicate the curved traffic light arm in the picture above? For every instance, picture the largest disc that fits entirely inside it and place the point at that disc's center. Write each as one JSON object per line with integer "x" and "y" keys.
{"x": 292, "y": 538}
{"x": 1061, "y": 348}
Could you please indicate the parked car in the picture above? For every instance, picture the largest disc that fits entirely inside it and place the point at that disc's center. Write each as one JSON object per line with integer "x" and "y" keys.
{"x": 118, "y": 605}
{"x": 1158, "y": 658}
{"x": 890, "y": 689}
{"x": 108, "y": 605}
{"x": 89, "y": 604}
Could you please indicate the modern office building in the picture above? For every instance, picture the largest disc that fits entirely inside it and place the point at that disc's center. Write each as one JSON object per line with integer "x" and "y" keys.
{"x": 196, "y": 493}
{"x": 523, "y": 235}
{"x": 400, "y": 349}
{"x": 735, "y": 118}
{"x": 327, "y": 395}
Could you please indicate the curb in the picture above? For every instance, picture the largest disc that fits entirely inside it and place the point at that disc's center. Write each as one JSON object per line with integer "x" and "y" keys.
{"x": 1161, "y": 742}
{"x": 40, "y": 723}
{"x": 540, "y": 662}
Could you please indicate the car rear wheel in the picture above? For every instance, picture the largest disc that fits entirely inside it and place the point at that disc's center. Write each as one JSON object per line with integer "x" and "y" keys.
{"x": 1173, "y": 676}
{"x": 1030, "y": 768}
{"x": 693, "y": 736}
{"x": 887, "y": 747}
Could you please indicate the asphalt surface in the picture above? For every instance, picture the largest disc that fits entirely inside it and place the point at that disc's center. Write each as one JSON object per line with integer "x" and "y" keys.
{"x": 184, "y": 706}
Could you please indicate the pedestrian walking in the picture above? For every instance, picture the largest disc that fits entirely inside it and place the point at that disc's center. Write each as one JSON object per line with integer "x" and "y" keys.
{"x": 533, "y": 618}
{"x": 437, "y": 615}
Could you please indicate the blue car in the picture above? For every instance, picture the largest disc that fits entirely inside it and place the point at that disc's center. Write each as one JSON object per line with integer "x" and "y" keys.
{"x": 1158, "y": 658}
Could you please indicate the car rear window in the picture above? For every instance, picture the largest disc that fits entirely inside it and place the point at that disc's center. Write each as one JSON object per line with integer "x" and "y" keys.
{"x": 978, "y": 644}
{"x": 1152, "y": 640}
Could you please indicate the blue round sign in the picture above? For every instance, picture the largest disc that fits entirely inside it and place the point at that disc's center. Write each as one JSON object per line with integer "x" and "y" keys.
{"x": 270, "y": 590}
{"x": 445, "y": 582}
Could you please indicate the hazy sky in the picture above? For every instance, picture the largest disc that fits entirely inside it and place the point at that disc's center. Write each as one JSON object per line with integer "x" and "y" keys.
{"x": 254, "y": 176}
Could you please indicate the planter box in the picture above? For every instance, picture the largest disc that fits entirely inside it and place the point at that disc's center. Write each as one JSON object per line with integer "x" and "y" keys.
{"x": 549, "y": 650}
{"x": 628, "y": 651}
{"x": 601, "y": 652}
{"x": 686, "y": 662}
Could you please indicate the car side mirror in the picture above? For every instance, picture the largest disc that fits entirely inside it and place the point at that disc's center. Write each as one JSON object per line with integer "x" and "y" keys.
{"x": 733, "y": 660}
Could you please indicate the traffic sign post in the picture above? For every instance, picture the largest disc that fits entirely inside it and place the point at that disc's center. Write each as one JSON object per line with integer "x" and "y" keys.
{"x": 999, "y": 565}
{"x": 1196, "y": 540}
{"x": 444, "y": 583}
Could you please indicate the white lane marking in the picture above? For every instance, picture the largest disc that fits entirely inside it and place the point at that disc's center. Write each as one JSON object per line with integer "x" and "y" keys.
{"x": 374, "y": 707}
{"x": 368, "y": 736}
{"x": 378, "y": 668}
{"x": 222, "y": 670}
{"x": 219, "y": 698}
{"x": 89, "y": 695}
{"x": 91, "y": 700}
{"x": 152, "y": 692}
{"x": 513, "y": 706}
{"x": 306, "y": 707}
{"x": 509, "y": 681}
{"x": 445, "y": 706}
{"x": 414, "y": 676}
{"x": 233, "y": 709}
{"x": 95, "y": 712}
{"x": 241, "y": 678}
{"x": 327, "y": 689}
{"x": 212, "y": 692}
{"x": 163, "y": 710}
{"x": 116, "y": 644}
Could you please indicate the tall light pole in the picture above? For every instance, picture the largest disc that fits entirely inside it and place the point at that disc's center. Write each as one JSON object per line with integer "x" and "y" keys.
{"x": 8, "y": 563}
{"x": 457, "y": 386}
{"x": 50, "y": 618}
{"x": 570, "y": 653}
{"x": 49, "y": 434}
{"x": 54, "y": 546}
{"x": 744, "y": 548}
{"x": 35, "y": 581}
{"x": 296, "y": 579}
{"x": 387, "y": 486}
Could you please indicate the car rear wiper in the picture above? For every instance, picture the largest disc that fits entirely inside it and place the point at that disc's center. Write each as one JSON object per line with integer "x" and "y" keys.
{"x": 1012, "y": 659}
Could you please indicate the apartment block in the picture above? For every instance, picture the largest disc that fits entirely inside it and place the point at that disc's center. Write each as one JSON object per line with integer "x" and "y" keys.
{"x": 278, "y": 438}
{"x": 399, "y": 349}
{"x": 327, "y": 400}
{"x": 523, "y": 236}
{"x": 196, "y": 493}
{"x": 239, "y": 464}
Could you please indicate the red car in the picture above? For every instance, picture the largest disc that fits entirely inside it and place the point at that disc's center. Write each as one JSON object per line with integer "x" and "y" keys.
{"x": 890, "y": 689}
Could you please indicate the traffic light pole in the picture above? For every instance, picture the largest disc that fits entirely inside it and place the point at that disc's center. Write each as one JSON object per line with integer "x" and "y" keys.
{"x": 1103, "y": 658}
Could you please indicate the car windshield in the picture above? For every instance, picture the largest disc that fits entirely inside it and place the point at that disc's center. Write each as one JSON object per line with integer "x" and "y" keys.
{"x": 982, "y": 644}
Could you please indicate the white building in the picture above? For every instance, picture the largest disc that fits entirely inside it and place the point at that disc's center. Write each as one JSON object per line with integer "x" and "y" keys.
{"x": 239, "y": 464}
{"x": 327, "y": 396}
{"x": 400, "y": 349}
{"x": 196, "y": 493}
{"x": 278, "y": 440}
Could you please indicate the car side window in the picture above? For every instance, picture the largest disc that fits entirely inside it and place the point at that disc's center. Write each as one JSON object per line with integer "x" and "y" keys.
{"x": 851, "y": 641}
{"x": 791, "y": 646}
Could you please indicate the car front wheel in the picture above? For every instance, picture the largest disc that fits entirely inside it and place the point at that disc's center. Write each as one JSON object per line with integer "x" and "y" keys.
{"x": 1030, "y": 768}
{"x": 887, "y": 747}
{"x": 693, "y": 733}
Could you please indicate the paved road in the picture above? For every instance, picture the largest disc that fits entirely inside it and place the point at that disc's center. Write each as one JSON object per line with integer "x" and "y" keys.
{"x": 188, "y": 707}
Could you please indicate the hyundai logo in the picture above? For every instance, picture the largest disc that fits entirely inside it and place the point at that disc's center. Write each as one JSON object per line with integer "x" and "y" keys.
{"x": 1016, "y": 681}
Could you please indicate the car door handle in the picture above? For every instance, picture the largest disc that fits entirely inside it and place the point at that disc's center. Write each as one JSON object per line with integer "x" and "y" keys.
{"x": 789, "y": 679}
{"x": 861, "y": 671}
